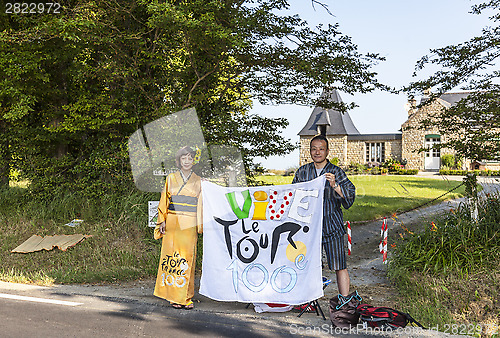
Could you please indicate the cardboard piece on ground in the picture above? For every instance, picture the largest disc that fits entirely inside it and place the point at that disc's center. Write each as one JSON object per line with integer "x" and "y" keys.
{"x": 37, "y": 243}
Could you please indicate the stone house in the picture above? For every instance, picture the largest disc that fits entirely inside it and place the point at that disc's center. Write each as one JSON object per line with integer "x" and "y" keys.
{"x": 350, "y": 146}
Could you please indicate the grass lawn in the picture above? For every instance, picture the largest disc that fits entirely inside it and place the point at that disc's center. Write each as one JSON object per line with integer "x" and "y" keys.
{"x": 378, "y": 196}
{"x": 121, "y": 247}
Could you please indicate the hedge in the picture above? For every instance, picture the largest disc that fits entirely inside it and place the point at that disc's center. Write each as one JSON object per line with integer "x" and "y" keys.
{"x": 407, "y": 172}
{"x": 465, "y": 172}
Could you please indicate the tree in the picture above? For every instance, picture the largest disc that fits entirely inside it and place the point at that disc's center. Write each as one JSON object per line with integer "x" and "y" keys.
{"x": 474, "y": 66}
{"x": 100, "y": 70}
{"x": 68, "y": 98}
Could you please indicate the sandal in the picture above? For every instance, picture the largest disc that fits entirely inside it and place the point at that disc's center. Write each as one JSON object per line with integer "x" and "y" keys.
{"x": 188, "y": 306}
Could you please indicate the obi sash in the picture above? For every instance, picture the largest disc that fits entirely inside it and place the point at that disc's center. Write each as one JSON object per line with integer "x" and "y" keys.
{"x": 183, "y": 203}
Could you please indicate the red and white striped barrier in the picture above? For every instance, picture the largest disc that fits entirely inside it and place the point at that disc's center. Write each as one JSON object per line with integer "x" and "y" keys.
{"x": 383, "y": 240}
{"x": 349, "y": 238}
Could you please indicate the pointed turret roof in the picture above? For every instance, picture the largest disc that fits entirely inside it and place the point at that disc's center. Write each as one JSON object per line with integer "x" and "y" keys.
{"x": 337, "y": 123}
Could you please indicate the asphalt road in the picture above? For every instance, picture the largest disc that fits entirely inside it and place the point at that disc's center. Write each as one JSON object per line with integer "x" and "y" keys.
{"x": 102, "y": 316}
{"x": 90, "y": 311}
{"x": 94, "y": 311}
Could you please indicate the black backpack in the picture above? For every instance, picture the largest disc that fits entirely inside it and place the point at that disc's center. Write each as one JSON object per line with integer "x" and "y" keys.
{"x": 384, "y": 317}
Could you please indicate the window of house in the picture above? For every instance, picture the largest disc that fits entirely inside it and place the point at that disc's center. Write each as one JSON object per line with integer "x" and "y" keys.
{"x": 375, "y": 152}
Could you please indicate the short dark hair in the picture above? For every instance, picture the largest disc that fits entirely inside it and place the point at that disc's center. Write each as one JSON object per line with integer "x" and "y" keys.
{"x": 181, "y": 152}
{"x": 319, "y": 137}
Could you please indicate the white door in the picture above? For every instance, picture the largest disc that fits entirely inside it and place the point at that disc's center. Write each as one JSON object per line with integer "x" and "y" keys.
{"x": 432, "y": 156}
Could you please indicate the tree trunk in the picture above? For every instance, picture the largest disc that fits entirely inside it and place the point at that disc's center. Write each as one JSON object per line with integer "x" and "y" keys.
{"x": 5, "y": 156}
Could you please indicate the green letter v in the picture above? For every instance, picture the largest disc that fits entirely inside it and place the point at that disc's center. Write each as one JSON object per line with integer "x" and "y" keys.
{"x": 240, "y": 213}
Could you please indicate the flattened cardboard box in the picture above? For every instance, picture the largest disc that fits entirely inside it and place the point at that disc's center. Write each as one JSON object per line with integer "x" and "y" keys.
{"x": 37, "y": 243}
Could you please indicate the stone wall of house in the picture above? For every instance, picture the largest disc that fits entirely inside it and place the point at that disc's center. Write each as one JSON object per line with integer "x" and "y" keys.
{"x": 304, "y": 154}
{"x": 393, "y": 150}
{"x": 414, "y": 139}
{"x": 338, "y": 149}
{"x": 356, "y": 152}
{"x": 337, "y": 146}
{"x": 406, "y": 148}
{"x": 348, "y": 151}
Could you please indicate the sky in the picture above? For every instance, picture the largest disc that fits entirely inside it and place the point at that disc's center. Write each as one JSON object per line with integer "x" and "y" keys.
{"x": 400, "y": 30}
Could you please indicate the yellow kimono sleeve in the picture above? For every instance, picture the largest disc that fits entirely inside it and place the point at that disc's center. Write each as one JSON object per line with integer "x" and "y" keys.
{"x": 199, "y": 214}
{"x": 162, "y": 210}
{"x": 157, "y": 234}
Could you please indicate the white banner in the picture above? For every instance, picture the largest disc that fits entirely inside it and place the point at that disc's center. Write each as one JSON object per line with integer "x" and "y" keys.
{"x": 263, "y": 244}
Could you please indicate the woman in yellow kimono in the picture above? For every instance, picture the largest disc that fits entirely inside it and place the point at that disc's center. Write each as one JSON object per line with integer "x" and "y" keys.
{"x": 179, "y": 220}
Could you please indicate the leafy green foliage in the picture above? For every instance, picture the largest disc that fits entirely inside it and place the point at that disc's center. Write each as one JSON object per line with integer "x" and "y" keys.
{"x": 448, "y": 160}
{"x": 75, "y": 86}
{"x": 335, "y": 161}
{"x": 474, "y": 66}
{"x": 451, "y": 268}
{"x": 465, "y": 172}
{"x": 454, "y": 244}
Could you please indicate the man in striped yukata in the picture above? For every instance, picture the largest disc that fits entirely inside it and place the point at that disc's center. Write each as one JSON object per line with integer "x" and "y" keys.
{"x": 339, "y": 191}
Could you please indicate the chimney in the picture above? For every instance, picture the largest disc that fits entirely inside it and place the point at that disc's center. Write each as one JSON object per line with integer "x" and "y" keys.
{"x": 323, "y": 122}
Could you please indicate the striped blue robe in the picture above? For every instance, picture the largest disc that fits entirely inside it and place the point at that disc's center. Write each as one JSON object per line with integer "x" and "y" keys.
{"x": 333, "y": 219}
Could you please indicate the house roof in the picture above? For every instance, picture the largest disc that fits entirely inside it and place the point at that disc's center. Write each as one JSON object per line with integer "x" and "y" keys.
{"x": 337, "y": 123}
{"x": 449, "y": 98}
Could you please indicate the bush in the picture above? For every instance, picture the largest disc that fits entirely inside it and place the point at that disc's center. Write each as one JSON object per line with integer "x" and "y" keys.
{"x": 356, "y": 168}
{"x": 448, "y": 160}
{"x": 451, "y": 268}
{"x": 465, "y": 172}
{"x": 454, "y": 243}
{"x": 451, "y": 162}
{"x": 395, "y": 168}
{"x": 393, "y": 165}
{"x": 452, "y": 172}
{"x": 407, "y": 172}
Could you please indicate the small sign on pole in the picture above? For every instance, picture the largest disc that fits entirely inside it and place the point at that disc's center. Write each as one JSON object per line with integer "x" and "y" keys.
{"x": 153, "y": 213}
